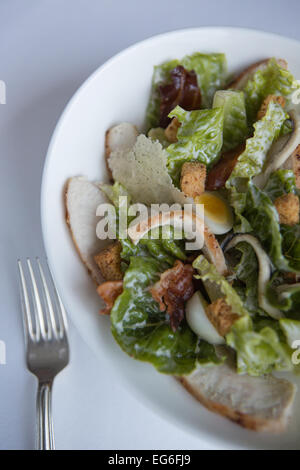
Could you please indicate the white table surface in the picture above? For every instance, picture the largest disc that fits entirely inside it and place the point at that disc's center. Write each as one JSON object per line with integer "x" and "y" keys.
{"x": 47, "y": 49}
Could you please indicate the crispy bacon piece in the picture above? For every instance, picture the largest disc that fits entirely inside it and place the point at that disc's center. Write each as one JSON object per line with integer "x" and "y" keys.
{"x": 109, "y": 291}
{"x": 183, "y": 91}
{"x": 220, "y": 173}
{"x": 291, "y": 278}
{"x": 173, "y": 289}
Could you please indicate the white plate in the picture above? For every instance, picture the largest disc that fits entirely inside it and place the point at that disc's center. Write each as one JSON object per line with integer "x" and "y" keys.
{"x": 118, "y": 91}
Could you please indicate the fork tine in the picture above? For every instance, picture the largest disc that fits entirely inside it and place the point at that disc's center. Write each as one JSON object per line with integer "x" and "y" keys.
{"x": 61, "y": 313}
{"x": 50, "y": 310}
{"x": 25, "y": 304}
{"x": 37, "y": 302}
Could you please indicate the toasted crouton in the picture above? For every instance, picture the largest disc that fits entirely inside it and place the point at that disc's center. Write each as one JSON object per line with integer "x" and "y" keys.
{"x": 109, "y": 262}
{"x": 221, "y": 316}
{"x": 287, "y": 207}
{"x": 264, "y": 106}
{"x": 172, "y": 129}
{"x": 296, "y": 165}
{"x": 192, "y": 181}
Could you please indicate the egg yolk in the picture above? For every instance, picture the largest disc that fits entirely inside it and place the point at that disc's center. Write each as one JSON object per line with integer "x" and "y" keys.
{"x": 214, "y": 207}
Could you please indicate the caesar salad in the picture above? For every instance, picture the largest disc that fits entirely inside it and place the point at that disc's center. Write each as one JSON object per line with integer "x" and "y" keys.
{"x": 223, "y": 318}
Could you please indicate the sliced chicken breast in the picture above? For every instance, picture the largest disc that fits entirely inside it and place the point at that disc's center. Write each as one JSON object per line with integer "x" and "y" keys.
{"x": 82, "y": 198}
{"x": 257, "y": 403}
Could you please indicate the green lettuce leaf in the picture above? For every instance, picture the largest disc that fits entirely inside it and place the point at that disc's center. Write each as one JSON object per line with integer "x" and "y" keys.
{"x": 208, "y": 272}
{"x": 144, "y": 332}
{"x": 235, "y": 128}
{"x": 246, "y": 273}
{"x": 114, "y": 192}
{"x": 283, "y": 182}
{"x": 291, "y": 245}
{"x": 279, "y": 183}
{"x": 291, "y": 330}
{"x": 266, "y": 130}
{"x": 199, "y": 139}
{"x": 282, "y": 243}
{"x": 272, "y": 80}
{"x": 258, "y": 352}
{"x": 166, "y": 250}
{"x": 211, "y": 72}
{"x": 259, "y": 346}
{"x": 289, "y": 295}
{"x": 161, "y": 74}
{"x": 251, "y": 162}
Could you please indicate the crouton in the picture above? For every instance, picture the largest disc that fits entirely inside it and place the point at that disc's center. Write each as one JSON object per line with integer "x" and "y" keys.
{"x": 221, "y": 316}
{"x": 109, "y": 262}
{"x": 296, "y": 165}
{"x": 287, "y": 207}
{"x": 264, "y": 106}
{"x": 172, "y": 129}
{"x": 192, "y": 181}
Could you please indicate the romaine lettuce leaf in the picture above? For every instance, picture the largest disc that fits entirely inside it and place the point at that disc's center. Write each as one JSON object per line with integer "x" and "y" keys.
{"x": 166, "y": 250}
{"x": 161, "y": 74}
{"x": 258, "y": 352}
{"x": 279, "y": 183}
{"x": 251, "y": 161}
{"x": 290, "y": 295}
{"x": 144, "y": 332}
{"x": 208, "y": 272}
{"x": 259, "y": 348}
{"x": 246, "y": 272}
{"x": 199, "y": 139}
{"x": 283, "y": 182}
{"x": 282, "y": 243}
{"x": 211, "y": 72}
{"x": 266, "y": 130}
{"x": 114, "y": 192}
{"x": 235, "y": 128}
{"x": 291, "y": 330}
{"x": 272, "y": 80}
{"x": 291, "y": 245}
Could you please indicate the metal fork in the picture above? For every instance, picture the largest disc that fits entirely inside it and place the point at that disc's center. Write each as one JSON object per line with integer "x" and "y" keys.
{"x": 47, "y": 349}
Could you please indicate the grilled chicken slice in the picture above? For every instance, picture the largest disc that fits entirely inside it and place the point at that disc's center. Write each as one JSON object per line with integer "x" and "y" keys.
{"x": 82, "y": 198}
{"x": 257, "y": 403}
{"x": 119, "y": 137}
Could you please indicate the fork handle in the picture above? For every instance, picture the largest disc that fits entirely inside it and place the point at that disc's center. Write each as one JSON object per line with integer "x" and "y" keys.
{"x": 45, "y": 435}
